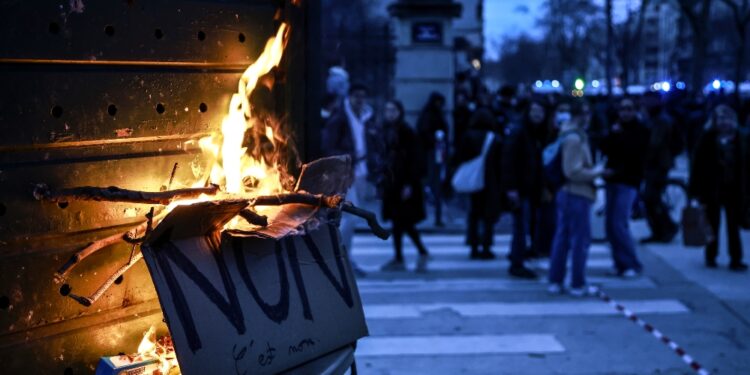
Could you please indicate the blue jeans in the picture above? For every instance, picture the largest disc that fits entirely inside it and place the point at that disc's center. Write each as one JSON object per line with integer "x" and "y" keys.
{"x": 620, "y": 200}
{"x": 573, "y": 235}
{"x": 521, "y": 222}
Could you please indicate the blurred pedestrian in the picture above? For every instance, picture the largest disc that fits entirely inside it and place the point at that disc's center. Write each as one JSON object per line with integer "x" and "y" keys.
{"x": 574, "y": 199}
{"x": 720, "y": 178}
{"x": 626, "y": 147}
{"x": 664, "y": 146}
{"x": 462, "y": 112}
{"x": 504, "y": 107}
{"x": 524, "y": 187}
{"x": 485, "y": 205}
{"x": 352, "y": 131}
{"x": 403, "y": 195}
{"x": 433, "y": 133}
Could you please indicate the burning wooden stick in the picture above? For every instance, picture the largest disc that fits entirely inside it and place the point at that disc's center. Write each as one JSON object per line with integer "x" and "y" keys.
{"x": 318, "y": 200}
{"x": 325, "y": 201}
{"x": 372, "y": 221}
{"x": 88, "y": 301}
{"x": 116, "y": 194}
{"x": 254, "y": 218}
{"x": 133, "y": 235}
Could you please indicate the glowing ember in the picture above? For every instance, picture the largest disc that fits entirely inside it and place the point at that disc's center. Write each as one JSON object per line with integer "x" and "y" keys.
{"x": 160, "y": 349}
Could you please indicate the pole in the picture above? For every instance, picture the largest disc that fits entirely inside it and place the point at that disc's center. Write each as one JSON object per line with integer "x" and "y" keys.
{"x": 609, "y": 50}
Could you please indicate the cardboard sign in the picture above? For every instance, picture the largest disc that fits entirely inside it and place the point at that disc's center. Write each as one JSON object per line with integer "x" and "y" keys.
{"x": 250, "y": 305}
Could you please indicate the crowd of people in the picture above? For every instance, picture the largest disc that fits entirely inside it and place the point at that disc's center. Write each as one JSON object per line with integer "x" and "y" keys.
{"x": 543, "y": 156}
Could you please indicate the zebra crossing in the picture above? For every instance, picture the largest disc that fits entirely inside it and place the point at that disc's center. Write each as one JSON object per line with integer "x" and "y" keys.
{"x": 492, "y": 316}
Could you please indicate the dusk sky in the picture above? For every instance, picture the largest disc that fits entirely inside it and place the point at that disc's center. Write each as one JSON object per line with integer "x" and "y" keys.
{"x": 503, "y": 18}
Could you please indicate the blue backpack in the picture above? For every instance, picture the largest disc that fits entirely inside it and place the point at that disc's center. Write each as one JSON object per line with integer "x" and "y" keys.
{"x": 553, "y": 174}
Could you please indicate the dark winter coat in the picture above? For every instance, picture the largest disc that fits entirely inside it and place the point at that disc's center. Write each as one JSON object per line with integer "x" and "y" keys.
{"x": 706, "y": 171}
{"x": 488, "y": 203}
{"x": 431, "y": 120}
{"x": 627, "y": 153}
{"x": 402, "y": 168}
{"x": 522, "y": 160}
{"x": 665, "y": 144}
{"x": 337, "y": 139}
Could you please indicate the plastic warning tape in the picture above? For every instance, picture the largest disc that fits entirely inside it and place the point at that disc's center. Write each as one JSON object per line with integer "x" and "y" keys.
{"x": 649, "y": 328}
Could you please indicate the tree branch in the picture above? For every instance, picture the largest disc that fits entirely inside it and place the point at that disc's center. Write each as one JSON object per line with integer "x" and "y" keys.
{"x": 319, "y": 200}
{"x": 116, "y": 194}
{"x": 372, "y": 221}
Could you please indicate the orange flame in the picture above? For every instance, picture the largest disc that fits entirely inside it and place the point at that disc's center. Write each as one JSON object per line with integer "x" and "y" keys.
{"x": 161, "y": 350}
{"x": 231, "y": 165}
{"x": 235, "y": 165}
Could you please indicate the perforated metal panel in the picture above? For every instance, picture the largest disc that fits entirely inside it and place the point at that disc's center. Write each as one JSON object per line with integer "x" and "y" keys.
{"x": 106, "y": 93}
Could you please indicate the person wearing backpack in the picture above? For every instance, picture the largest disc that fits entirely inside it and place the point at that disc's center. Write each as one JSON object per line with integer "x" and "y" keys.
{"x": 572, "y": 171}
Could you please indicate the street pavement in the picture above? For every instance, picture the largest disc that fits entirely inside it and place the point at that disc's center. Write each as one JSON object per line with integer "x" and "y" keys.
{"x": 466, "y": 316}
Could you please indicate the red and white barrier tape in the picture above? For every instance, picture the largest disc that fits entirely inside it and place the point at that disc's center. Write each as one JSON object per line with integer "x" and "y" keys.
{"x": 649, "y": 328}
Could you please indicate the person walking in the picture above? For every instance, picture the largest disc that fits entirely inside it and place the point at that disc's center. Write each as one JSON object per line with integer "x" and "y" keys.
{"x": 485, "y": 205}
{"x": 352, "y": 131}
{"x": 720, "y": 179}
{"x": 626, "y": 147}
{"x": 574, "y": 199}
{"x": 403, "y": 195}
{"x": 433, "y": 133}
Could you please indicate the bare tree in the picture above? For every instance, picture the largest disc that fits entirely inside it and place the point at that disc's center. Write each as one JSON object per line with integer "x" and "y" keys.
{"x": 698, "y": 15}
{"x": 741, "y": 17}
{"x": 568, "y": 24}
{"x": 522, "y": 60}
{"x": 629, "y": 41}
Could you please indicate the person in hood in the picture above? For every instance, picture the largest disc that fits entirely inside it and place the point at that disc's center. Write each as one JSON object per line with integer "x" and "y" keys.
{"x": 719, "y": 179}
{"x": 352, "y": 131}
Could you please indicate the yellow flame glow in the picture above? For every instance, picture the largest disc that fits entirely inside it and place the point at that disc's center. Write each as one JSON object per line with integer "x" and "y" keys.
{"x": 151, "y": 348}
{"x": 235, "y": 164}
{"x": 230, "y": 163}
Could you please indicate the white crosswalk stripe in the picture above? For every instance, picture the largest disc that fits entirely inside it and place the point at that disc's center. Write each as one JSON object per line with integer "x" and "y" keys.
{"x": 485, "y": 284}
{"x": 584, "y": 307}
{"x": 465, "y": 265}
{"x": 454, "y": 345}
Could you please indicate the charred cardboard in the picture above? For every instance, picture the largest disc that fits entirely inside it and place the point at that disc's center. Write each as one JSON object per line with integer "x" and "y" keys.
{"x": 252, "y": 303}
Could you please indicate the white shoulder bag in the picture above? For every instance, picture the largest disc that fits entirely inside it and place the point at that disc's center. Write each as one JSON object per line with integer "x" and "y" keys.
{"x": 469, "y": 177}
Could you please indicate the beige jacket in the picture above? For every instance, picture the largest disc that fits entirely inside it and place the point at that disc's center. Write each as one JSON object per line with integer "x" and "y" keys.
{"x": 578, "y": 165}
